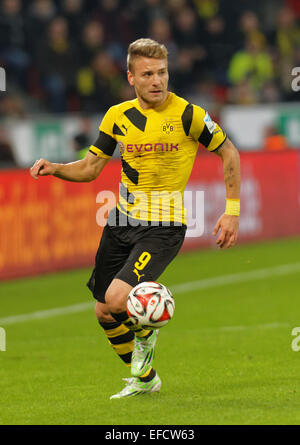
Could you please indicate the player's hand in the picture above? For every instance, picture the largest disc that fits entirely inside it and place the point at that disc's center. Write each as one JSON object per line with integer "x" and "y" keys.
{"x": 229, "y": 225}
{"x": 42, "y": 167}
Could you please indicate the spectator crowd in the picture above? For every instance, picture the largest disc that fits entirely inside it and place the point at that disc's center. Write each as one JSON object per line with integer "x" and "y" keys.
{"x": 70, "y": 55}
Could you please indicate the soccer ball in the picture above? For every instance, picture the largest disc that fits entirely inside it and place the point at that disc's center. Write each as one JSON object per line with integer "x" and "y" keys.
{"x": 150, "y": 305}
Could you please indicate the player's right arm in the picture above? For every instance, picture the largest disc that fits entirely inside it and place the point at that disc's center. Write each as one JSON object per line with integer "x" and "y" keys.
{"x": 90, "y": 167}
{"x": 85, "y": 170}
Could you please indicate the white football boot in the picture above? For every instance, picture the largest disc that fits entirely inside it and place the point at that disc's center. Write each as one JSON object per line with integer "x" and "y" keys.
{"x": 143, "y": 354}
{"x": 134, "y": 387}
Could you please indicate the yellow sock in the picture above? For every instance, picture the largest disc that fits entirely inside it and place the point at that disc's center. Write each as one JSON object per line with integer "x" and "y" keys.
{"x": 123, "y": 318}
{"x": 121, "y": 339}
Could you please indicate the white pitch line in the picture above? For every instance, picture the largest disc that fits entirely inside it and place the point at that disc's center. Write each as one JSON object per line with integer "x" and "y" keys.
{"x": 223, "y": 280}
{"x": 258, "y": 274}
{"x": 256, "y": 326}
{"x": 48, "y": 313}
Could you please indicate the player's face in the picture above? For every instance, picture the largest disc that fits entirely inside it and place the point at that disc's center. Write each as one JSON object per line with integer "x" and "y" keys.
{"x": 150, "y": 79}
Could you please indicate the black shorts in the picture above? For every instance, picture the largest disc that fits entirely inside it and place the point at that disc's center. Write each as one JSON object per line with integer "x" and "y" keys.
{"x": 133, "y": 254}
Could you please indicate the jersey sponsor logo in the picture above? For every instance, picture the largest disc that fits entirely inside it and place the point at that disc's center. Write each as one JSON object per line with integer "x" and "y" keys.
{"x": 131, "y": 148}
{"x": 167, "y": 127}
{"x": 210, "y": 124}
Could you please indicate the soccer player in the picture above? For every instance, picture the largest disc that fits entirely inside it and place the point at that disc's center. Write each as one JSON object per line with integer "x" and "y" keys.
{"x": 158, "y": 134}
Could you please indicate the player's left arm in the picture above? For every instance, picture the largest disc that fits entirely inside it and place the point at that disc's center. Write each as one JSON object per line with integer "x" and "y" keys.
{"x": 204, "y": 130}
{"x": 228, "y": 223}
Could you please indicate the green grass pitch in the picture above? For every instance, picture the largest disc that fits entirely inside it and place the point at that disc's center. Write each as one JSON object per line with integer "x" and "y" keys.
{"x": 225, "y": 358}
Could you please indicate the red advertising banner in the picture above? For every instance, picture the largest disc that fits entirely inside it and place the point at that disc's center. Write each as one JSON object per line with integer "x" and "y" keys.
{"x": 270, "y": 195}
{"x": 50, "y": 224}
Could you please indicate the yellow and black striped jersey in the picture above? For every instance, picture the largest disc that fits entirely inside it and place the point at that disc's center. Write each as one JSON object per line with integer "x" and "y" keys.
{"x": 158, "y": 148}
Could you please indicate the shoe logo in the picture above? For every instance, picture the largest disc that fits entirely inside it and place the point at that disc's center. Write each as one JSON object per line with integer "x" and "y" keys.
{"x": 138, "y": 275}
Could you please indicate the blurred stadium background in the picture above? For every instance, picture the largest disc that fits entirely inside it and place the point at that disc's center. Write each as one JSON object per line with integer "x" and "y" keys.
{"x": 65, "y": 64}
